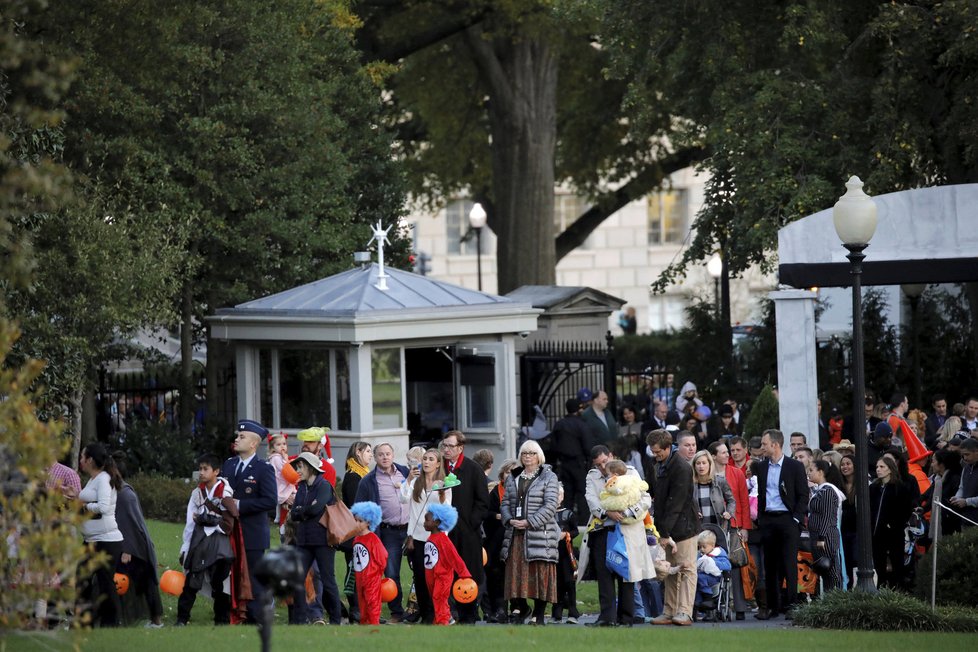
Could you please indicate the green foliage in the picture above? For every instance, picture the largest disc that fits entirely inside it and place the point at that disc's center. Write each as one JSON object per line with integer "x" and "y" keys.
{"x": 159, "y": 449}
{"x": 880, "y": 350}
{"x": 957, "y": 566}
{"x": 163, "y": 498}
{"x": 42, "y": 549}
{"x": 764, "y": 414}
{"x": 886, "y": 611}
{"x": 791, "y": 98}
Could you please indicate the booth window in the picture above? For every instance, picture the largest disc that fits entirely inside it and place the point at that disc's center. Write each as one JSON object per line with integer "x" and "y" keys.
{"x": 386, "y": 377}
{"x": 313, "y": 388}
{"x": 477, "y": 381}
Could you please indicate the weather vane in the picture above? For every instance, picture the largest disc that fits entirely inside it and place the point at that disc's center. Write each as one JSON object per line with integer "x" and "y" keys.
{"x": 380, "y": 237}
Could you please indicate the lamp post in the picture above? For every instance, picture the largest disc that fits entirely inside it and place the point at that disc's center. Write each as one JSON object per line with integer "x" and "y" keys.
{"x": 477, "y": 220}
{"x": 715, "y": 268}
{"x": 913, "y": 292}
{"x": 854, "y": 216}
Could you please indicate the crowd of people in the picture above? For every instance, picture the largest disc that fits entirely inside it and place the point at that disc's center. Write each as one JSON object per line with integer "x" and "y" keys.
{"x": 671, "y": 501}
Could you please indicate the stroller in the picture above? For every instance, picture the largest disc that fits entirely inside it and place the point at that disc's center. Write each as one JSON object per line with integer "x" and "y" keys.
{"x": 717, "y": 608}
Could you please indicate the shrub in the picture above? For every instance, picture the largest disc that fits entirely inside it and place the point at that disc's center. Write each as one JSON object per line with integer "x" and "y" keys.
{"x": 763, "y": 415}
{"x": 157, "y": 448}
{"x": 164, "y": 499}
{"x": 884, "y": 611}
{"x": 957, "y": 568}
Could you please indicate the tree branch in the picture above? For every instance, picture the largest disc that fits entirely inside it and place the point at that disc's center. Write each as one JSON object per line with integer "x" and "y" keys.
{"x": 649, "y": 178}
{"x": 488, "y": 63}
{"x": 375, "y": 49}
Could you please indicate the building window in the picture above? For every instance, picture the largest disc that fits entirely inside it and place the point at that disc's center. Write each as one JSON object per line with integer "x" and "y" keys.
{"x": 668, "y": 217}
{"x": 457, "y": 225}
{"x": 567, "y": 208}
{"x": 477, "y": 382}
{"x": 667, "y": 313}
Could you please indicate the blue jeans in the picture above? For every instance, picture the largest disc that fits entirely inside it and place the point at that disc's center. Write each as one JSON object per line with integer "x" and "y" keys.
{"x": 393, "y": 540}
{"x": 324, "y": 557}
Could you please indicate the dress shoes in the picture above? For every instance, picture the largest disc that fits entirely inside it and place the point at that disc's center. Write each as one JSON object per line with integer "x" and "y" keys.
{"x": 765, "y": 614}
{"x": 602, "y": 623}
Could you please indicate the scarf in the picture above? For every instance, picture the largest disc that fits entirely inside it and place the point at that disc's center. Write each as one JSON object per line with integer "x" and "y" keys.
{"x": 352, "y": 465}
{"x": 448, "y": 465}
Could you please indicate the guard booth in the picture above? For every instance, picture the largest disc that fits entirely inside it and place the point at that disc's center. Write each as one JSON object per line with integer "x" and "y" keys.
{"x": 379, "y": 356}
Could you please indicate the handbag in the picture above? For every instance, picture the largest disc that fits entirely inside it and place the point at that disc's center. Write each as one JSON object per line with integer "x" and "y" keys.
{"x": 736, "y": 551}
{"x": 616, "y": 556}
{"x": 339, "y": 523}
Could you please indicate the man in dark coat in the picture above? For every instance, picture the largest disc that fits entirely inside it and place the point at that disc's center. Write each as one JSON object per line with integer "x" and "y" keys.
{"x": 253, "y": 481}
{"x": 782, "y": 504}
{"x": 471, "y": 499}
{"x": 571, "y": 445}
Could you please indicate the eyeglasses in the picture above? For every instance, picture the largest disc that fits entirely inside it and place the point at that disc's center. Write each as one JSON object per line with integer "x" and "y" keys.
{"x": 528, "y": 453}
{"x": 449, "y": 446}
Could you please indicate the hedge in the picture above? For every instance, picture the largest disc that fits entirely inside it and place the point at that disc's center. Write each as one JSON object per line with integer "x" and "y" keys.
{"x": 884, "y": 611}
{"x": 162, "y": 498}
{"x": 957, "y": 570}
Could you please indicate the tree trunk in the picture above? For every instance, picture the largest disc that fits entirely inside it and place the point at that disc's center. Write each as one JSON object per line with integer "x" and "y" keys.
{"x": 522, "y": 77}
{"x": 76, "y": 428}
{"x": 187, "y": 400}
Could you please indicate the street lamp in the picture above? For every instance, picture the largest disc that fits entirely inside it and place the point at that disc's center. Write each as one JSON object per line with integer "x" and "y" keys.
{"x": 715, "y": 268}
{"x": 854, "y": 216}
{"x": 913, "y": 291}
{"x": 477, "y": 220}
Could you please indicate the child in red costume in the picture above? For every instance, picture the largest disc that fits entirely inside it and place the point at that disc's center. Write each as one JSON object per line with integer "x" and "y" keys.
{"x": 441, "y": 560}
{"x": 369, "y": 561}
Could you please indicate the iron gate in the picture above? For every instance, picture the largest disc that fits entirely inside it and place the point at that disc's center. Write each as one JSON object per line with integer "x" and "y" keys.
{"x": 552, "y": 372}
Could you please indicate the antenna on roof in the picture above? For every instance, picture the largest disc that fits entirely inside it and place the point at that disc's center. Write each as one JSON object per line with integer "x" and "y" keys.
{"x": 380, "y": 237}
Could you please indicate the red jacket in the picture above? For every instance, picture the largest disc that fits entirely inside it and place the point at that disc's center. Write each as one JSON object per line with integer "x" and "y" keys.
{"x": 738, "y": 485}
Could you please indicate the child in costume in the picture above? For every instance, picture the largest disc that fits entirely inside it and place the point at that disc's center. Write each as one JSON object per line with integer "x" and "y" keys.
{"x": 566, "y": 564}
{"x": 441, "y": 559}
{"x": 278, "y": 457}
{"x": 208, "y": 552}
{"x": 369, "y": 561}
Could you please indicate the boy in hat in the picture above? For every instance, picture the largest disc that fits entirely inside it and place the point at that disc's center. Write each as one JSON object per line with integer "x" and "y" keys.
{"x": 316, "y": 441}
{"x": 441, "y": 560}
{"x": 255, "y": 495}
{"x": 369, "y": 561}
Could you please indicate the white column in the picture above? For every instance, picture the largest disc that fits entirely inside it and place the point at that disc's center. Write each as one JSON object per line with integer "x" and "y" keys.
{"x": 361, "y": 398}
{"x": 797, "y": 379}
{"x": 248, "y": 383}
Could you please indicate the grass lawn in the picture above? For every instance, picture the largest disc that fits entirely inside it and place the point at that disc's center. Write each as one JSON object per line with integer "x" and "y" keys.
{"x": 202, "y": 636}
{"x": 412, "y": 637}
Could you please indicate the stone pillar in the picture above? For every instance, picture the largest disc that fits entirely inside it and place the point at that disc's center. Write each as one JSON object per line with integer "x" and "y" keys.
{"x": 797, "y": 379}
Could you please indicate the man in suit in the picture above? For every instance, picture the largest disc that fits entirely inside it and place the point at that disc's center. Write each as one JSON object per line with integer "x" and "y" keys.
{"x": 599, "y": 420}
{"x": 782, "y": 503}
{"x": 936, "y": 420}
{"x": 471, "y": 499}
{"x": 255, "y": 493}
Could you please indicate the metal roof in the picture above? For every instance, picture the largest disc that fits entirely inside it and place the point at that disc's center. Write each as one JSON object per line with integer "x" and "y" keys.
{"x": 552, "y": 296}
{"x": 355, "y": 293}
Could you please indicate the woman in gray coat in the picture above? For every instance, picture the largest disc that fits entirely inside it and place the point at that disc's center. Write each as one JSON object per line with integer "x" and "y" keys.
{"x": 529, "y": 547}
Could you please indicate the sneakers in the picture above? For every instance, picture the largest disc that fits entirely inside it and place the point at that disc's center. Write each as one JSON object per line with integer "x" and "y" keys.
{"x": 571, "y": 620}
{"x": 682, "y": 620}
{"x": 662, "y": 619}
{"x": 152, "y": 625}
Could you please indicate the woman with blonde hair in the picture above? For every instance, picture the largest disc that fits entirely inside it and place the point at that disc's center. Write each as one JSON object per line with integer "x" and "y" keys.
{"x": 422, "y": 487}
{"x": 711, "y": 492}
{"x": 529, "y": 511}
{"x": 948, "y": 430}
